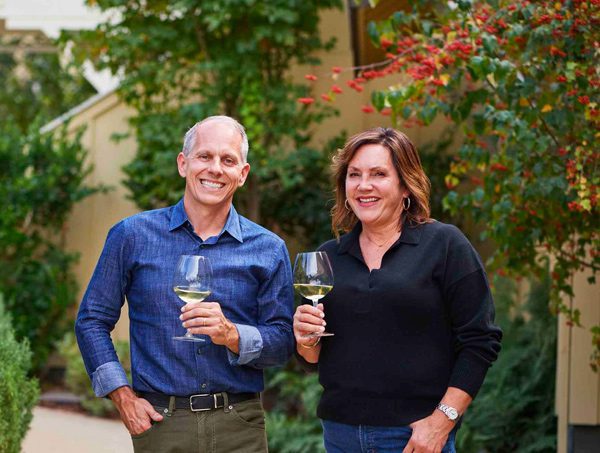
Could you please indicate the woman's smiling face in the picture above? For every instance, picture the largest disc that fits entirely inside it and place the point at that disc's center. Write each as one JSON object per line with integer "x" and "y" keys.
{"x": 373, "y": 186}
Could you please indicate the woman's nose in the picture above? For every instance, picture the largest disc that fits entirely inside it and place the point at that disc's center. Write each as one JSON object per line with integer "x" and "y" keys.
{"x": 365, "y": 184}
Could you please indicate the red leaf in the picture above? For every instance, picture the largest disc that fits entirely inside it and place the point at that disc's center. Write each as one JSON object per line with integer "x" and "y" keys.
{"x": 306, "y": 101}
{"x": 367, "y": 109}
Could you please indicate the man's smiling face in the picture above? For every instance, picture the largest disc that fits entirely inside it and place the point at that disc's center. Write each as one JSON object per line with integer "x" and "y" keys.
{"x": 214, "y": 168}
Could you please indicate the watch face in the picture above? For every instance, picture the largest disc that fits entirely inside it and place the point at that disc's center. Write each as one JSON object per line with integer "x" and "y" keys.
{"x": 452, "y": 413}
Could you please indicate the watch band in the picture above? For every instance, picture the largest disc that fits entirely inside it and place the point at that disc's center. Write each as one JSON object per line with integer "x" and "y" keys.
{"x": 448, "y": 411}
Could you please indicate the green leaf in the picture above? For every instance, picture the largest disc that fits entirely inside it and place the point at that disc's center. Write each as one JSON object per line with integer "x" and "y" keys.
{"x": 490, "y": 44}
{"x": 373, "y": 32}
{"x": 464, "y": 5}
{"x": 401, "y": 18}
{"x": 378, "y": 99}
{"x": 427, "y": 27}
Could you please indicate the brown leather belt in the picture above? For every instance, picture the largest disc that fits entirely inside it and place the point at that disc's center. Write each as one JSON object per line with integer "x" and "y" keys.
{"x": 200, "y": 402}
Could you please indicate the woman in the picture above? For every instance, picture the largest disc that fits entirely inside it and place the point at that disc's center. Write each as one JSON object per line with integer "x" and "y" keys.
{"x": 410, "y": 309}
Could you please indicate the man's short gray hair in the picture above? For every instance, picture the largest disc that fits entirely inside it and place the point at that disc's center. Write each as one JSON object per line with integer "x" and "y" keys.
{"x": 189, "y": 141}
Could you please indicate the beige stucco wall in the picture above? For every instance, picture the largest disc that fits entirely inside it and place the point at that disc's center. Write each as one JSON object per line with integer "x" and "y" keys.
{"x": 577, "y": 385}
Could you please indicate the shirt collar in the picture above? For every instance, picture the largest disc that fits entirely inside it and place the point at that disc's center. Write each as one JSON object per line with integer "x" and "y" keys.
{"x": 232, "y": 226}
{"x": 178, "y": 216}
{"x": 411, "y": 234}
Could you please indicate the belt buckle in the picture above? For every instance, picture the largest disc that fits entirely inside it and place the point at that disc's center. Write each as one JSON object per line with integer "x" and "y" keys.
{"x": 203, "y": 409}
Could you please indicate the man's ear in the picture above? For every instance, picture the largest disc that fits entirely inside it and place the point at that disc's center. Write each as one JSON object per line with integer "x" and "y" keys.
{"x": 244, "y": 174}
{"x": 181, "y": 164}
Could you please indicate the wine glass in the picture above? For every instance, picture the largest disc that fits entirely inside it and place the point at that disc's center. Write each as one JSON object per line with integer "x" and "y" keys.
{"x": 313, "y": 279}
{"x": 191, "y": 283}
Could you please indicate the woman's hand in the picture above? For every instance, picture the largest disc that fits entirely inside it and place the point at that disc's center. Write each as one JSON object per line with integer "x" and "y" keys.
{"x": 429, "y": 434}
{"x": 308, "y": 320}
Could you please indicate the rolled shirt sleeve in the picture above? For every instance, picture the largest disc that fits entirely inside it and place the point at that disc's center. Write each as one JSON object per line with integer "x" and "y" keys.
{"x": 108, "y": 377}
{"x": 250, "y": 345}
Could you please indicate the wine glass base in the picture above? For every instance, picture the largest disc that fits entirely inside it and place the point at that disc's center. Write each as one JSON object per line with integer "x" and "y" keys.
{"x": 184, "y": 338}
{"x": 316, "y": 335}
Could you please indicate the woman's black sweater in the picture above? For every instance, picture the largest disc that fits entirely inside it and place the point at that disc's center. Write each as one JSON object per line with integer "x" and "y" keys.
{"x": 406, "y": 332}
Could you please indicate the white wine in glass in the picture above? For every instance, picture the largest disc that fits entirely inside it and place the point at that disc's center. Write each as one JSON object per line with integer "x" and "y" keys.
{"x": 191, "y": 283}
{"x": 313, "y": 279}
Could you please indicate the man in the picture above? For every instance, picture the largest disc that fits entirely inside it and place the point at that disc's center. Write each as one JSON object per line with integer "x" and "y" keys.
{"x": 188, "y": 396}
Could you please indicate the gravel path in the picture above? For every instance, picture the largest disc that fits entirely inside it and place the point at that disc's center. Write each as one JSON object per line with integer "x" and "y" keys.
{"x": 67, "y": 432}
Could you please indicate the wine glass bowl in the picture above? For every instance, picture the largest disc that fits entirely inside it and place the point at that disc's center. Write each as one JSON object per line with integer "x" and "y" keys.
{"x": 313, "y": 279}
{"x": 191, "y": 283}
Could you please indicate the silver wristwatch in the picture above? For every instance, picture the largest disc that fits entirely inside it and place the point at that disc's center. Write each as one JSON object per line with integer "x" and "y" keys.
{"x": 449, "y": 411}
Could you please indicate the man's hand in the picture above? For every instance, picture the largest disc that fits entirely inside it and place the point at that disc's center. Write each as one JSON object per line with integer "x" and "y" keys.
{"x": 207, "y": 318}
{"x": 136, "y": 413}
{"x": 429, "y": 434}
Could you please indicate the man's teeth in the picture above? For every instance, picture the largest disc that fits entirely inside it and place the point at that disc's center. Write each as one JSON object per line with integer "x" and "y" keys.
{"x": 367, "y": 200}
{"x": 214, "y": 185}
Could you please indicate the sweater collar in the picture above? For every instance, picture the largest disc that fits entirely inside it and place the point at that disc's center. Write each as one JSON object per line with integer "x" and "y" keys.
{"x": 411, "y": 234}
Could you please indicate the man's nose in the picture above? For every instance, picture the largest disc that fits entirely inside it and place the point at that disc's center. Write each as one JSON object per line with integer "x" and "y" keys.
{"x": 215, "y": 166}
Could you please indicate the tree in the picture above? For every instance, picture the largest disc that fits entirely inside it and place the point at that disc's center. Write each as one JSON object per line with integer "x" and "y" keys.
{"x": 182, "y": 61}
{"x": 41, "y": 178}
{"x": 34, "y": 83}
{"x": 519, "y": 81}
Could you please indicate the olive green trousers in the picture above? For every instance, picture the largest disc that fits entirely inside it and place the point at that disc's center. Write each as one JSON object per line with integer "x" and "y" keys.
{"x": 235, "y": 428}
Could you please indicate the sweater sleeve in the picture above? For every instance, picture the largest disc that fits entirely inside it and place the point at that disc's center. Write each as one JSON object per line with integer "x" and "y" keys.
{"x": 471, "y": 309}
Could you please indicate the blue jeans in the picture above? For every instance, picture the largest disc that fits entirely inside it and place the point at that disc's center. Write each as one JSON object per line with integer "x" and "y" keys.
{"x": 342, "y": 438}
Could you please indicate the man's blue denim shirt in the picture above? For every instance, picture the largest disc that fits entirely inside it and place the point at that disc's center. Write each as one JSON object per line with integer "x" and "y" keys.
{"x": 252, "y": 280}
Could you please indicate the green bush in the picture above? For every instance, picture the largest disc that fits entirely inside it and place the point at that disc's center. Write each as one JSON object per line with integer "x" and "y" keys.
{"x": 515, "y": 408}
{"x": 77, "y": 380}
{"x": 18, "y": 391}
{"x": 41, "y": 179}
{"x": 292, "y": 424}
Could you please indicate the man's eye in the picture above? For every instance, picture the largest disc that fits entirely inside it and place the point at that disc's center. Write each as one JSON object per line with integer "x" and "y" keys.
{"x": 203, "y": 156}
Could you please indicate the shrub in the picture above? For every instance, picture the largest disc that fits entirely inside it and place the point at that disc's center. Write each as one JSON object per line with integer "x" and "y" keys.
{"x": 41, "y": 178}
{"x": 77, "y": 380}
{"x": 515, "y": 408}
{"x": 292, "y": 424}
{"x": 18, "y": 392}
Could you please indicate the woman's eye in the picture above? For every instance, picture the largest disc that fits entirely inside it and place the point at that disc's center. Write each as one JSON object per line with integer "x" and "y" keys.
{"x": 352, "y": 175}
